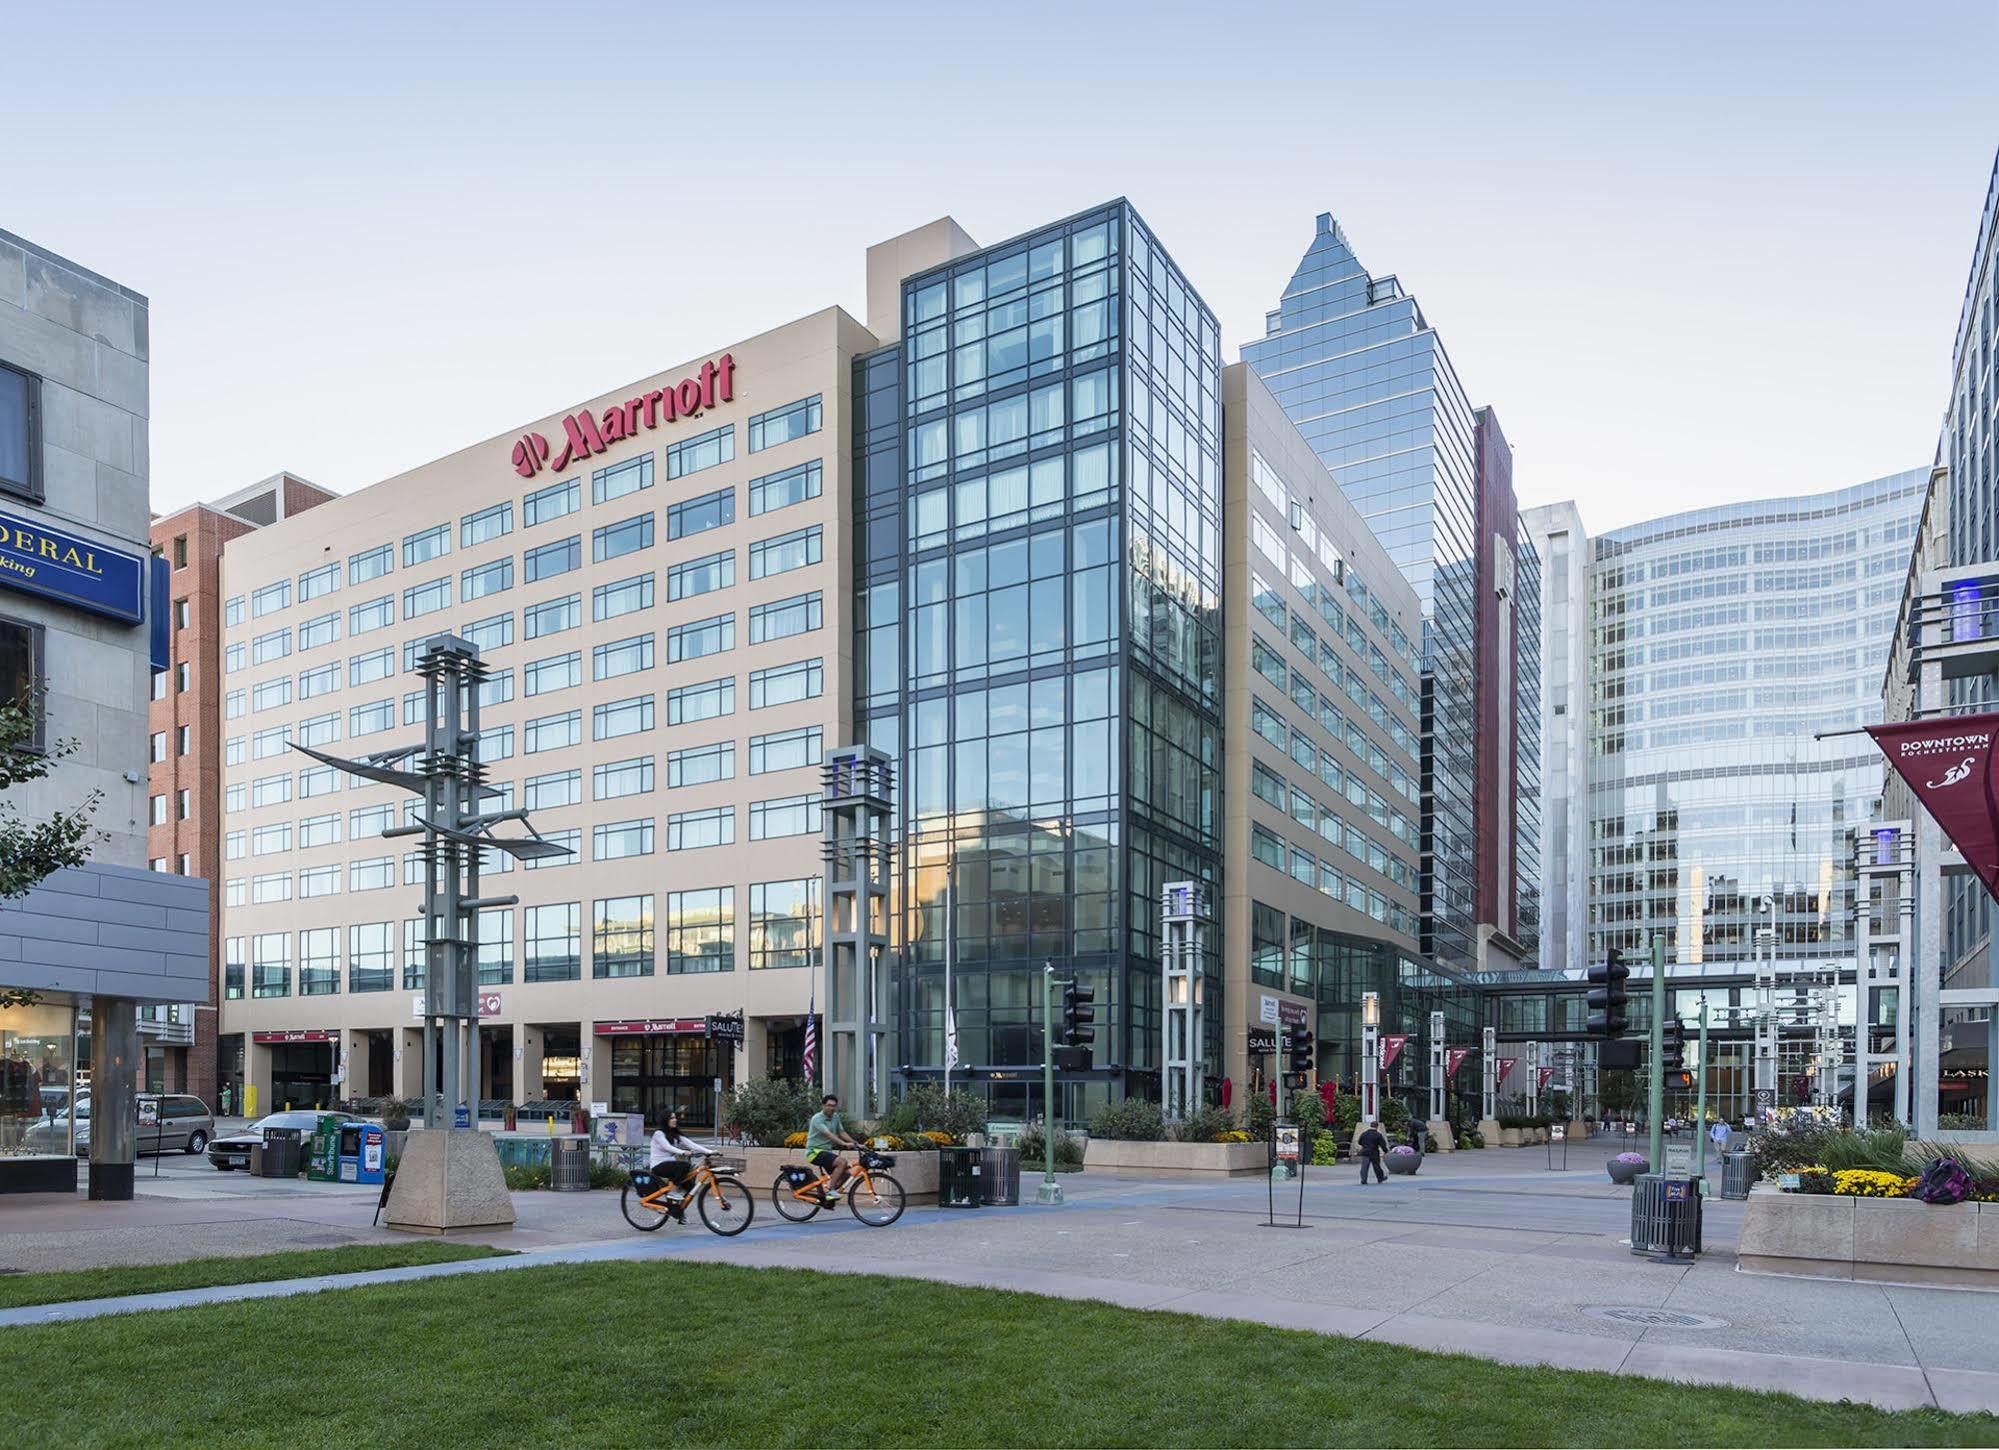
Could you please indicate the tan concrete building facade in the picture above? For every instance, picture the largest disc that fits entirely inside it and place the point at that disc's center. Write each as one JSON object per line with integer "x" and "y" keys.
{"x": 658, "y": 581}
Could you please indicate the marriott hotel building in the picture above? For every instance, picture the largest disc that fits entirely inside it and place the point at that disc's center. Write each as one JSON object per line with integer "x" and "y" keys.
{"x": 981, "y": 531}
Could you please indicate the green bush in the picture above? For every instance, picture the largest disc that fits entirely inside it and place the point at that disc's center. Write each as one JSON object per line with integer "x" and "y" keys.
{"x": 925, "y": 1108}
{"x": 1132, "y": 1120}
{"x": 1204, "y": 1125}
{"x": 1346, "y": 1116}
{"x": 1258, "y": 1115}
{"x": 1394, "y": 1116}
{"x": 767, "y": 1110}
{"x": 606, "y": 1173}
{"x": 523, "y": 1177}
{"x": 1308, "y": 1111}
{"x": 1325, "y": 1149}
{"x": 1034, "y": 1150}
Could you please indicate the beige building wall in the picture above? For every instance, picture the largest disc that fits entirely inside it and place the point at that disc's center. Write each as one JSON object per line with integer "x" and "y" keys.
{"x": 807, "y": 358}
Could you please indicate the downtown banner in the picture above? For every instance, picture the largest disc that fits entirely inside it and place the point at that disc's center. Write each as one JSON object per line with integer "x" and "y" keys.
{"x": 1454, "y": 1059}
{"x": 1948, "y": 764}
{"x": 1391, "y": 1048}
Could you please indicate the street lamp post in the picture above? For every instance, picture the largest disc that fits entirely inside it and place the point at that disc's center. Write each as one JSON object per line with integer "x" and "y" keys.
{"x": 1488, "y": 1121}
{"x": 1370, "y": 1058}
{"x": 1437, "y": 1076}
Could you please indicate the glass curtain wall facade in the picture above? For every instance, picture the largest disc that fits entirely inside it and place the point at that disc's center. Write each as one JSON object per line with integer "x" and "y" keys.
{"x": 1038, "y": 579}
{"x": 1721, "y": 640}
{"x": 1366, "y": 379}
{"x": 1527, "y": 694}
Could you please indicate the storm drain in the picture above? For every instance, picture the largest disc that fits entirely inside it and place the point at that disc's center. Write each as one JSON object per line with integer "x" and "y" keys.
{"x": 1655, "y": 1318}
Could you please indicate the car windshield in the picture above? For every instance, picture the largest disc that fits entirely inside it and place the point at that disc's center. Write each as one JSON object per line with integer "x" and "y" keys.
{"x": 286, "y": 1120}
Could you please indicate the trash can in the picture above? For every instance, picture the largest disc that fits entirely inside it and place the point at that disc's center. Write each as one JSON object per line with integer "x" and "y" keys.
{"x": 999, "y": 1176}
{"x": 958, "y": 1177}
{"x": 284, "y": 1151}
{"x": 1665, "y": 1215}
{"x": 569, "y": 1165}
{"x": 1738, "y": 1171}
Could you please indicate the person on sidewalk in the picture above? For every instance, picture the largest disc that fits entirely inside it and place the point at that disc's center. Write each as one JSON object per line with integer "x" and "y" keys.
{"x": 1419, "y": 1134}
{"x": 1372, "y": 1145}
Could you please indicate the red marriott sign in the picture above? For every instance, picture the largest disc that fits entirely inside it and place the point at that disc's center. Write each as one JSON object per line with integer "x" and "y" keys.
{"x": 586, "y": 434}
{"x": 1948, "y": 764}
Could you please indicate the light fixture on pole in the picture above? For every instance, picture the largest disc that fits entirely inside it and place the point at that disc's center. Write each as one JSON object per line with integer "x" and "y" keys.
{"x": 1370, "y": 1057}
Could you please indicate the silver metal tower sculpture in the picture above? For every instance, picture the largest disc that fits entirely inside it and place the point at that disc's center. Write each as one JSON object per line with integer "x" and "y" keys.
{"x": 856, "y": 816}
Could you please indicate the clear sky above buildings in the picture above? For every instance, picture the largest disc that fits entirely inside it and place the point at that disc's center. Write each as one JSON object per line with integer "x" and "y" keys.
{"x": 1691, "y": 253}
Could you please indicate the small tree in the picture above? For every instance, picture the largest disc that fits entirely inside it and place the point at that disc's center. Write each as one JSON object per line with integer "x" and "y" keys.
{"x": 32, "y": 851}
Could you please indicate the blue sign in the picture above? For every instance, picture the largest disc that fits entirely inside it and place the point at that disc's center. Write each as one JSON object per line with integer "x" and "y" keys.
{"x": 461, "y": 1116}
{"x": 57, "y": 565}
{"x": 1677, "y": 1192}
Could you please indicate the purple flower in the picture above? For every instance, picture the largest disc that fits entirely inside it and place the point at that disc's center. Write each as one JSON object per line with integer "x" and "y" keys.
{"x": 1630, "y": 1157}
{"x": 1400, "y": 1148}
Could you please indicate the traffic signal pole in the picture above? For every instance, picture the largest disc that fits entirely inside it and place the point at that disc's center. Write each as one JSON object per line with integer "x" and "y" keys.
{"x": 1050, "y": 1191}
{"x": 1700, "y": 1109}
{"x": 1656, "y": 1106}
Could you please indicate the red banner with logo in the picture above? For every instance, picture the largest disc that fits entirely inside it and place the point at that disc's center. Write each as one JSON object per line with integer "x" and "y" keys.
{"x": 1948, "y": 764}
{"x": 1505, "y": 1066}
{"x": 1454, "y": 1058}
{"x": 1391, "y": 1048}
{"x": 1542, "y": 1085}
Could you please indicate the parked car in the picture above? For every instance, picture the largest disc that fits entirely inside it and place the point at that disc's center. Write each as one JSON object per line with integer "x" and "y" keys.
{"x": 232, "y": 1150}
{"x": 182, "y": 1124}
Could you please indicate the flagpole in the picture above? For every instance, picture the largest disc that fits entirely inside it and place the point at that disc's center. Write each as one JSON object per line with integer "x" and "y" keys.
{"x": 950, "y": 1006}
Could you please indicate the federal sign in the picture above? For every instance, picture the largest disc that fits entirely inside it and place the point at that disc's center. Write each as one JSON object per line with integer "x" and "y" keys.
{"x": 56, "y": 564}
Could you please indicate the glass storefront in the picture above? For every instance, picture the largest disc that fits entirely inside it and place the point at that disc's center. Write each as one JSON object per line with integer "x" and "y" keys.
{"x": 37, "y": 1073}
{"x": 653, "y": 1074}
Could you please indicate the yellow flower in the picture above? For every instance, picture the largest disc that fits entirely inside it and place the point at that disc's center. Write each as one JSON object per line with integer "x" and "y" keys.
{"x": 1868, "y": 1183}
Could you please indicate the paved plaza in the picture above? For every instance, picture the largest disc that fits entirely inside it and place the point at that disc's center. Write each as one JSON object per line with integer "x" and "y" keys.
{"x": 1488, "y": 1253}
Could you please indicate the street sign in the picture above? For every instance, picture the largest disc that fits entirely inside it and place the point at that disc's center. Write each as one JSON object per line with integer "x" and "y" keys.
{"x": 461, "y": 1116}
{"x": 1557, "y": 1132}
{"x": 149, "y": 1112}
{"x": 1677, "y": 1192}
{"x": 1287, "y": 1142}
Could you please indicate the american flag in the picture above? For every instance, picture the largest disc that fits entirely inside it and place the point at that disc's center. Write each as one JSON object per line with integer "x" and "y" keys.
{"x": 811, "y": 1030}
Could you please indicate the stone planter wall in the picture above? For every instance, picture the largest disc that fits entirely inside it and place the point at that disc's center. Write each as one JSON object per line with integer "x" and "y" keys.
{"x": 1896, "y": 1239}
{"x": 916, "y": 1172}
{"x": 1509, "y": 1138}
{"x": 1219, "y": 1159}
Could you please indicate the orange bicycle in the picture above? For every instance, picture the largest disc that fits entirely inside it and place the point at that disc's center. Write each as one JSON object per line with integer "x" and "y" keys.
{"x": 717, "y": 1192}
{"x": 874, "y": 1197}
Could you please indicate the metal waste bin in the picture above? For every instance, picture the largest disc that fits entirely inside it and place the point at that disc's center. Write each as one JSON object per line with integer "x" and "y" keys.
{"x": 284, "y": 1153}
{"x": 1738, "y": 1171}
{"x": 959, "y": 1174}
{"x": 999, "y": 1176}
{"x": 1665, "y": 1215}
{"x": 569, "y": 1165}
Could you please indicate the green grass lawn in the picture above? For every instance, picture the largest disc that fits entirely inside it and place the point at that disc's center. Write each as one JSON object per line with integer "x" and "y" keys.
{"x": 62, "y": 1288}
{"x": 635, "y": 1354}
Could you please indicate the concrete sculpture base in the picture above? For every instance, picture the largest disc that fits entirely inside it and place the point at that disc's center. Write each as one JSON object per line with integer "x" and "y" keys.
{"x": 449, "y": 1179}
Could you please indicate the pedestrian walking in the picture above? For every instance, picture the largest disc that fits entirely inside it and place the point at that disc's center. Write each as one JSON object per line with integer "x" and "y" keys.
{"x": 1419, "y": 1134}
{"x": 225, "y": 1100}
{"x": 1719, "y": 1133}
{"x": 1372, "y": 1145}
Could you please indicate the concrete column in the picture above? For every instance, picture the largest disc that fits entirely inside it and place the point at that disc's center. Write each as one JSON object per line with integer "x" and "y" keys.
{"x": 754, "y": 1051}
{"x": 596, "y": 1086}
{"x": 409, "y": 1063}
{"x": 117, "y": 1057}
{"x": 527, "y": 1071}
{"x": 256, "y": 1079}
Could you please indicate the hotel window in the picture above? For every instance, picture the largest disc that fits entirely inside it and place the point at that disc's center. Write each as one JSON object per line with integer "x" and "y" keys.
{"x": 700, "y": 638}
{"x": 628, "y": 536}
{"x": 271, "y": 694}
{"x": 785, "y": 553}
{"x": 271, "y": 598}
{"x": 371, "y": 956}
{"x": 622, "y": 778}
{"x": 159, "y": 746}
{"x": 552, "y": 559}
{"x": 548, "y": 792}
{"x": 621, "y": 657}
{"x": 232, "y": 969}
{"x": 320, "y": 730}
{"x": 708, "y": 700}
{"x": 319, "y": 831}
{"x": 622, "y": 943}
{"x": 414, "y": 952}
{"x": 422, "y": 599}
{"x": 694, "y": 830}
{"x": 316, "y": 632}
{"x": 496, "y": 947}
{"x": 554, "y": 732}
{"x": 232, "y": 610}
{"x": 782, "y": 490}
{"x": 319, "y": 962}
{"x": 317, "y": 582}
{"x": 366, "y": 821}
{"x": 371, "y": 564}
{"x": 787, "y": 684}
{"x": 486, "y": 525}
{"x": 704, "y": 450}
{"x": 701, "y": 576}
{"x": 622, "y": 596}
{"x": 497, "y": 688}
{"x": 375, "y": 614}
{"x": 273, "y": 646}
{"x": 552, "y": 502}
{"x": 784, "y": 618}
{"x": 495, "y": 744}
{"x": 622, "y": 717}
{"x": 235, "y": 891}
{"x": 701, "y": 765}
{"x": 491, "y": 633}
{"x": 432, "y": 543}
{"x": 698, "y": 515}
{"x": 234, "y": 657}
{"x": 271, "y": 790}
{"x": 552, "y": 616}
{"x": 484, "y": 579}
{"x": 784, "y": 923}
{"x": 796, "y": 815}
{"x": 615, "y": 840}
{"x": 267, "y": 889}
{"x": 620, "y": 479}
{"x": 781, "y": 425}
{"x": 551, "y": 945}
{"x": 319, "y": 780}
{"x": 236, "y": 704}
{"x": 376, "y": 874}
{"x": 368, "y": 668}
{"x": 271, "y": 964}
{"x": 371, "y": 719}
{"x": 559, "y": 672}
{"x": 235, "y": 750}
{"x": 20, "y": 433}
{"x": 786, "y": 750}
{"x": 235, "y": 798}
{"x": 701, "y": 930}
{"x": 266, "y": 743}
{"x": 571, "y": 842}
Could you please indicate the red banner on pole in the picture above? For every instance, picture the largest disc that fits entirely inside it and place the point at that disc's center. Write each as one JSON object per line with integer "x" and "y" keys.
{"x": 1948, "y": 764}
{"x": 1454, "y": 1059}
{"x": 1391, "y": 1048}
{"x": 1505, "y": 1066}
{"x": 1542, "y": 1086}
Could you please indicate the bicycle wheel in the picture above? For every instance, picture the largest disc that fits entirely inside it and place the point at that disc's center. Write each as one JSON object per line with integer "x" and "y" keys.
{"x": 727, "y": 1207}
{"x": 638, "y": 1213}
{"x": 798, "y": 1210}
{"x": 877, "y": 1202}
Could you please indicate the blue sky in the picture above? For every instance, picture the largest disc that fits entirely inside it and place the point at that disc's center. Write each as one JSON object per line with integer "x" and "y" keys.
{"x": 1691, "y": 253}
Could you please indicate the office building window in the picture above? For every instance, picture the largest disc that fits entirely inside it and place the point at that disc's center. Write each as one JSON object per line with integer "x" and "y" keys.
{"x": 554, "y": 732}
{"x": 486, "y": 525}
{"x": 796, "y": 815}
{"x": 781, "y": 425}
{"x": 622, "y": 778}
{"x": 698, "y": 515}
{"x": 784, "y": 618}
{"x": 375, "y": 614}
{"x": 372, "y": 718}
{"x": 621, "y": 479}
{"x": 267, "y": 889}
{"x": 320, "y": 680}
{"x": 319, "y": 881}
{"x": 783, "y": 489}
{"x": 700, "y": 638}
{"x": 785, "y": 552}
{"x": 376, "y": 874}
{"x": 616, "y": 839}
{"x": 558, "y": 672}
{"x": 621, "y": 945}
{"x": 552, "y": 946}
{"x": 494, "y": 632}
{"x": 693, "y": 830}
{"x": 320, "y": 831}
{"x": 623, "y": 596}
{"x": 273, "y": 646}
{"x": 551, "y": 559}
{"x": 317, "y": 781}
{"x": 621, "y": 657}
{"x": 371, "y": 564}
{"x": 322, "y": 630}
{"x": 158, "y": 750}
{"x": 483, "y": 579}
{"x": 421, "y": 548}
{"x": 701, "y": 576}
{"x": 20, "y": 433}
{"x": 706, "y": 701}
{"x": 271, "y": 964}
{"x": 622, "y": 717}
{"x": 701, "y": 765}
{"x": 319, "y": 962}
{"x": 233, "y": 610}
{"x": 368, "y": 668}
{"x": 271, "y": 598}
{"x": 704, "y": 450}
{"x": 787, "y": 684}
{"x": 786, "y": 750}
{"x": 547, "y": 792}
{"x": 496, "y": 946}
{"x": 553, "y": 502}
{"x": 784, "y": 923}
{"x": 266, "y": 743}
{"x": 371, "y": 956}
{"x": 320, "y": 730}
{"x": 571, "y": 842}
{"x": 701, "y": 930}
{"x": 552, "y": 616}
{"x": 271, "y": 694}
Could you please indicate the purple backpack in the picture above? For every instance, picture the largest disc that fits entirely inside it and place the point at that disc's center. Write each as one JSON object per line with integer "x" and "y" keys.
{"x": 1944, "y": 1181}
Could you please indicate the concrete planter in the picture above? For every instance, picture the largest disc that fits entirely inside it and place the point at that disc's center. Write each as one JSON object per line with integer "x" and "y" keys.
{"x": 1894, "y": 1239}
{"x": 1578, "y": 1130}
{"x": 1509, "y": 1137}
{"x": 1220, "y": 1160}
{"x": 1402, "y": 1163}
{"x": 916, "y": 1172}
{"x": 1625, "y": 1172}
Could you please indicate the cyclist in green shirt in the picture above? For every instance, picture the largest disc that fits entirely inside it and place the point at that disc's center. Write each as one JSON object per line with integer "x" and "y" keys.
{"x": 824, "y": 1135}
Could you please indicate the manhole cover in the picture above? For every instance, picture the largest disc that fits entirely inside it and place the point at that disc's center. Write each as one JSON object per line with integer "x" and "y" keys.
{"x": 1656, "y": 1318}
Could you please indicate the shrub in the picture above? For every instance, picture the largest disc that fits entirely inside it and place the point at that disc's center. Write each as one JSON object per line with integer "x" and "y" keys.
{"x": 1346, "y": 1116}
{"x": 926, "y": 1106}
{"x": 1630, "y": 1158}
{"x": 607, "y": 1173}
{"x": 1394, "y": 1115}
{"x": 1814, "y": 1180}
{"x": 1325, "y": 1149}
{"x": 1132, "y": 1120}
{"x": 1034, "y": 1149}
{"x": 1308, "y": 1111}
{"x": 1206, "y": 1124}
{"x": 522, "y": 1177}
{"x": 768, "y": 1110}
{"x": 1258, "y": 1115}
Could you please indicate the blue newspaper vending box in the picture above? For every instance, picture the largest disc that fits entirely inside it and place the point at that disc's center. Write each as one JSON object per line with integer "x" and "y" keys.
{"x": 363, "y": 1153}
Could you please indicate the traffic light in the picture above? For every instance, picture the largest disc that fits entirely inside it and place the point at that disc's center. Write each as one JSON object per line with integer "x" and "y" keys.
{"x": 1673, "y": 1049}
{"x": 1298, "y": 1049}
{"x": 1078, "y": 1029}
{"x": 1607, "y": 996}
